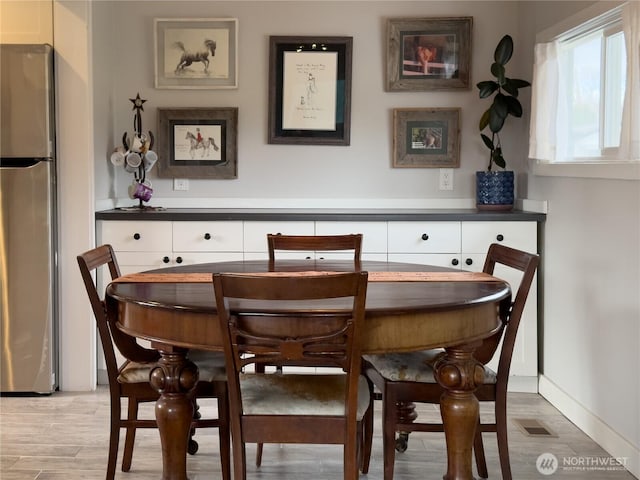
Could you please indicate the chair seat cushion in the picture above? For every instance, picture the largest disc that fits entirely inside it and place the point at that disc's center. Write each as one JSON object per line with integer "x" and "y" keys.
{"x": 210, "y": 365}
{"x": 277, "y": 394}
{"x": 135, "y": 372}
{"x": 413, "y": 366}
{"x": 210, "y": 368}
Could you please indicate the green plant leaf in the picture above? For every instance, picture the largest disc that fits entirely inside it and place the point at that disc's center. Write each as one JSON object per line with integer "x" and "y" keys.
{"x": 509, "y": 87}
{"x": 512, "y": 85}
{"x": 496, "y": 121}
{"x": 484, "y": 120}
{"x": 504, "y": 50}
{"x": 519, "y": 83}
{"x": 487, "y": 88}
{"x": 497, "y": 71}
{"x": 498, "y": 113}
{"x": 497, "y": 158}
{"x": 487, "y": 141}
{"x": 514, "y": 106}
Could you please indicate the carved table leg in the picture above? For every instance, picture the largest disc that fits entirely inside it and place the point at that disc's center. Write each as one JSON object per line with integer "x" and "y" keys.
{"x": 459, "y": 374}
{"x": 174, "y": 378}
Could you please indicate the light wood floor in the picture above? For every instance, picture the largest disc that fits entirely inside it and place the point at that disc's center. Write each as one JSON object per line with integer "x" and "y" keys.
{"x": 64, "y": 437}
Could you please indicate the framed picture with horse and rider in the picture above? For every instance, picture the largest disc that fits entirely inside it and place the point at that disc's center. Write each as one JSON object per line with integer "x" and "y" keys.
{"x": 198, "y": 53}
{"x": 198, "y": 142}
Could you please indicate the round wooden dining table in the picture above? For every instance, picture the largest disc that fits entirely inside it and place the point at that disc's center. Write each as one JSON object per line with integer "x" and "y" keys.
{"x": 404, "y": 312}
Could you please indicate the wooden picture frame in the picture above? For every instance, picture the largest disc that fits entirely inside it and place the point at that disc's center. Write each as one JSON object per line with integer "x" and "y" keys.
{"x": 181, "y": 155}
{"x": 429, "y": 53}
{"x": 310, "y": 90}
{"x": 197, "y": 53}
{"x": 426, "y": 137}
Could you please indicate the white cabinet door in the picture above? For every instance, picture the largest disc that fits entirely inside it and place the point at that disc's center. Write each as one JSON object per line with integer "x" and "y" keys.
{"x": 255, "y": 233}
{"x": 191, "y": 258}
{"x": 131, "y": 262}
{"x": 477, "y": 236}
{"x": 145, "y": 236}
{"x": 424, "y": 237}
{"x": 208, "y": 236}
{"x": 450, "y": 260}
{"x": 374, "y": 234}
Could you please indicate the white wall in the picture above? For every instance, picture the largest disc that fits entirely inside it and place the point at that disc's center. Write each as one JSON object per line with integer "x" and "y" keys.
{"x": 590, "y": 350}
{"x": 360, "y": 171}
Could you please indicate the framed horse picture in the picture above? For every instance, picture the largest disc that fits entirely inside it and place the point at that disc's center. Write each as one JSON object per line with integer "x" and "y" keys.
{"x": 198, "y": 53}
{"x": 198, "y": 142}
{"x": 426, "y": 137}
{"x": 426, "y": 54}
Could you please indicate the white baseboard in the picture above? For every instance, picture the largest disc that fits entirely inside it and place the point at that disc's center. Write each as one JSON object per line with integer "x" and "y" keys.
{"x": 523, "y": 384}
{"x": 601, "y": 433}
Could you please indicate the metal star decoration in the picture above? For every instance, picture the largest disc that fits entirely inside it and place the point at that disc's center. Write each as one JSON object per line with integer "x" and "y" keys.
{"x": 137, "y": 102}
{"x": 137, "y": 119}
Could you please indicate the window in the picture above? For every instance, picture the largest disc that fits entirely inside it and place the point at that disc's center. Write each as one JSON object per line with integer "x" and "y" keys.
{"x": 592, "y": 68}
{"x": 586, "y": 91}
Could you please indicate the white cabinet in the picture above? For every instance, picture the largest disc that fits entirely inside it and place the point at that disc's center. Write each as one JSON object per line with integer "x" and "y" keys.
{"x": 476, "y": 238}
{"x": 144, "y": 245}
{"x": 430, "y": 243}
{"x": 138, "y": 245}
{"x": 374, "y": 238}
{"x": 255, "y": 237}
{"x": 205, "y": 242}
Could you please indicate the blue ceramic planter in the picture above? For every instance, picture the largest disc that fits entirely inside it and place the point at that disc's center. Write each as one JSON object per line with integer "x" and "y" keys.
{"x": 494, "y": 190}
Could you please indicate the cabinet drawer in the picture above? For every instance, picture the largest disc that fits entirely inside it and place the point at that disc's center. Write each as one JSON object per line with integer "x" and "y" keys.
{"x": 449, "y": 260}
{"x": 424, "y": 237}
{"x": 127, "y": 236}
{"x": 208, "y": 236}
{"x": 191, "y": 258}
{"x": 255, "y": 233}
{"x": 140, "y": 261}
{"x": 477, "y": 236}
{"x": 374, "y": 234}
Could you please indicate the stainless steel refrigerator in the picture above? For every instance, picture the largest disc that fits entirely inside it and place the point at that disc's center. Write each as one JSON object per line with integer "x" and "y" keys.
{"x": 28, "y": 273}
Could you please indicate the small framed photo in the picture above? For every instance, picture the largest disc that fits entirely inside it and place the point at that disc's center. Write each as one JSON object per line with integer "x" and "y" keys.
{"x": 310, "y": 90}
{"x": 198, "y": 53}
{"x": 429, "y": 53}
{"x": 198, "y": 142}
{"x": 426, "y": 137}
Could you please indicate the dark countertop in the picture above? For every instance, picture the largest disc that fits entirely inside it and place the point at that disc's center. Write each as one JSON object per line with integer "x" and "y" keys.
{"x": 320, "y": 214}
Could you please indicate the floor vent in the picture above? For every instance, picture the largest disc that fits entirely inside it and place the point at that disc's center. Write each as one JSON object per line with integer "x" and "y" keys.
{"x": 534, "y": 428}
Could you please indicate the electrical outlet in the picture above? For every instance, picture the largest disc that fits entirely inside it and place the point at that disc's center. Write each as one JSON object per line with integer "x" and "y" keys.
{"x": 181, "y": 184}
{"x": 446, "y": 179}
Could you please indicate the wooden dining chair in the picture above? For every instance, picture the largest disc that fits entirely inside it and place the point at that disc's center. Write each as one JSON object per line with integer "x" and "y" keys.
{"x": 315, "y": 243}
{"x": 409, "y": 377}
{"x": 306, "y": 243}
{"x": 130, "y": 380}
{"x": 292, "y": 407}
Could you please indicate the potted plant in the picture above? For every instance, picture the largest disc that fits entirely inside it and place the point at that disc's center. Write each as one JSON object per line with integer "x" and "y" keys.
{"x": 494, "y": 188}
